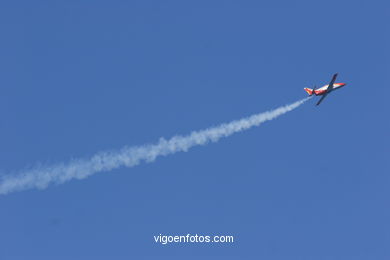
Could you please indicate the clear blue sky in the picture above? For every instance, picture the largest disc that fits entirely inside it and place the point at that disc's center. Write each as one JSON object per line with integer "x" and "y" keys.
{"x": 79, "y": 77}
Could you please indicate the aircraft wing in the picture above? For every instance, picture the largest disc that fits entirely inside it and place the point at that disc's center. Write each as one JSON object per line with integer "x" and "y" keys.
{"x": 322, "y": 98}
{"x": 329, "y": 89}
{"x": 330, "y": 86}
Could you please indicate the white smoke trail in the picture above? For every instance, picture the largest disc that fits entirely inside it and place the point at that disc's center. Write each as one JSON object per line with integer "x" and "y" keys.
{"x": 41, "y": 177}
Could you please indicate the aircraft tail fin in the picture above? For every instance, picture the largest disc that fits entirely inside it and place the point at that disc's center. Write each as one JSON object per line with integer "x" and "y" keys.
{"x": 309, "y": 91}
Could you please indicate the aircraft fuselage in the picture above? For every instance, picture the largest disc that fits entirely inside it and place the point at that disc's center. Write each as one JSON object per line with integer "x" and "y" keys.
{"x": 322, "y": 90}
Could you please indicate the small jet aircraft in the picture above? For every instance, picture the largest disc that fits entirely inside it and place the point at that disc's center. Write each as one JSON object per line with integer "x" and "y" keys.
{"x": 325, "y": 90}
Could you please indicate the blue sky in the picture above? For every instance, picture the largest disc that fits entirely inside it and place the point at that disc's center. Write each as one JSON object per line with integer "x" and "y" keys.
{"x": 79, "y": 77}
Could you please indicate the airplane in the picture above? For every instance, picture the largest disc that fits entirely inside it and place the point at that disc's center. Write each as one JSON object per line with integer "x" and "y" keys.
{"x": 325, "y": 90}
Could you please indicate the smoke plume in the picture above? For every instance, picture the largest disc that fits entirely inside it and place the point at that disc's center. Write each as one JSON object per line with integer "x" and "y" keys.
{"x": 41, "y": 177}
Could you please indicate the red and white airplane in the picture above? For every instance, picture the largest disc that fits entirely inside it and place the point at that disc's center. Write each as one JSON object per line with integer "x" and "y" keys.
{"x": 325, "y": 90}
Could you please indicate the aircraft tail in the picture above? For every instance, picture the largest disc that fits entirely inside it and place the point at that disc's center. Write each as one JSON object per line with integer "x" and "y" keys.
{"x": 309, "y": 91}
